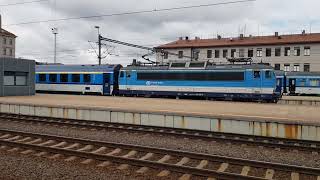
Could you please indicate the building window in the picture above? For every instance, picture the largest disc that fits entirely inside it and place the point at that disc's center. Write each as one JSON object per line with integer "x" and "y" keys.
{"x": 4, "y": 51}
{"x": 287, "y": 51}
{"x": 217, "y": 54}
{"x": 250, "y": 53}
{"x": 165, "y": 55}
{"x": 241, "y": 52}
{"x": 63, "y": 77}
{"x": 297, "y": 51}
{"x": 42, "y": 77}
{"x": 233, "y": 52}
{"x": 53, "y": 77}
{"x": 11, "y": 42}
{"x": 287, "y": 67}
{"x": 276, "y": 66}
{"x": 11, "y": 52}
{"x": 296, "y": 68}
{"x": 225, "y": 53}
{"x": 209, "y": 54}
{"x": 11, "y": 78}
{"x": 307, "y": 50}
{"x": 259, "y": 52}
{"x": 4, "y": 40}
{"x": 277, "y": 52}
{"x": 268, "y": 52}
{"x": 306, "y": 67}
{"x": 180, "y": 54}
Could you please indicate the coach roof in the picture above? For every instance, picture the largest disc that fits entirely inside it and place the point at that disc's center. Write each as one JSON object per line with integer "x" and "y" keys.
{"x": 77, "y": 68}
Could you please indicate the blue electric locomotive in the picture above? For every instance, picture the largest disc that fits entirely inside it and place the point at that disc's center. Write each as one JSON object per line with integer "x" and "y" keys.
{"x": 84, "y": 79}
{"x": 230, "y": 82}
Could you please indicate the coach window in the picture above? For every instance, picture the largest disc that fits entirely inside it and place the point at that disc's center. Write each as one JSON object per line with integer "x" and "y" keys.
{"x": 42, "y": 77}
{"x": 314, "y": 82}
{"x": 63, "y": 77}
{"x": 53, "y": 77}
{"x": 256, "y": 74}
{"x": 86, "y": 78}
{"x": 75, "y": 77}
{"x": 268, "y": 74}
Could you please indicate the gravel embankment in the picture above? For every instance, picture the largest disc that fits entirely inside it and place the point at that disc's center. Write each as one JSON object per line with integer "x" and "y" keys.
{"x": 225, "y": 149}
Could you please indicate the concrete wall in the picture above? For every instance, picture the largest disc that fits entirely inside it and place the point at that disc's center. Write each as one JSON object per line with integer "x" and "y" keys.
{"x": 207, "y": 123}
{"x": 292, "y": 60}
{"x": 17, "y": 65}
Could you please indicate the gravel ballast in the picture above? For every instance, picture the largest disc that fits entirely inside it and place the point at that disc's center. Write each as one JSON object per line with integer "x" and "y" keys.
{"x": 193, "y": 145}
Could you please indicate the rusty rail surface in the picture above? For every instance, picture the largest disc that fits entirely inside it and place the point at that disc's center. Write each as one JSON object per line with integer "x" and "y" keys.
{"x": 271, "y": 142}
{"x": 53, "y": 144}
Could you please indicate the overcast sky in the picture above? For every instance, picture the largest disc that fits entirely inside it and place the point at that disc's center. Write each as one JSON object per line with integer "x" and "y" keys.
{"x": 35, "y": 41}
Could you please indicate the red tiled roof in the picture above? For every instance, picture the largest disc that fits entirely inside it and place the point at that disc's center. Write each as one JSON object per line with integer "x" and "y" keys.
{"x": 245, "y": 41}
{"x": 6, "y": 33}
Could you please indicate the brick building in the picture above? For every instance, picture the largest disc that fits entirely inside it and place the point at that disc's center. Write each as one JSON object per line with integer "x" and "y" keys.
{"x": 7, "y": 43}
{"x": 297, "y": 52}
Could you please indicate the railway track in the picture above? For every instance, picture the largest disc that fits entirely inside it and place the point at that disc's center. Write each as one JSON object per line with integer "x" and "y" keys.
{"x": 145, "y": 158}
{"x": 270, "y": 142}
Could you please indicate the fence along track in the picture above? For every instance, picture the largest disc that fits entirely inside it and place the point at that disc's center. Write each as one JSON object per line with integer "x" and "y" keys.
{"x": 168, "y": 160}
{"x": 271, "y": 142}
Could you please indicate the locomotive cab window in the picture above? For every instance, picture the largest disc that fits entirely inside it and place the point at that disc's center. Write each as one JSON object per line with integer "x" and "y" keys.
{"x": 268, "y": 74}
{"x": 256, "y": 74}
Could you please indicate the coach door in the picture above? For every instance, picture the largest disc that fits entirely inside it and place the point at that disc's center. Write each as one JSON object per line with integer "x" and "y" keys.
{"x": 292, "y": 86}
{"x": 106, "y": 84}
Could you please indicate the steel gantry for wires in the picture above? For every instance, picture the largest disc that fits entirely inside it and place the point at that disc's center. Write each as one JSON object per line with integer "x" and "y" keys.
{"x": 152, "y": 50}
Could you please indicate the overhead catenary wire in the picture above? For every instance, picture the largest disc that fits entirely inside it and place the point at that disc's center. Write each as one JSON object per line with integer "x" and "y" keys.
{"x": 21, "y": 3}
{"x": 130, "y": 12}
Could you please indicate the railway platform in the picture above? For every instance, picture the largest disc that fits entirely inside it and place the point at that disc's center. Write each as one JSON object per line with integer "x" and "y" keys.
{"x": 273, "y": 120}
{"x": 300, "y": 100}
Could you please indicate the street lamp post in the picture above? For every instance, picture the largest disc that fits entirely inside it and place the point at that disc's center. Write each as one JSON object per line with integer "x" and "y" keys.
{"x": 99, "y": 44}
{"x": 55, "y": 32}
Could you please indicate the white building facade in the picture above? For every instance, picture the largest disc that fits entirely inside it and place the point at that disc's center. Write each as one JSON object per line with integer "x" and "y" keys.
{"x": 298, "y": 52}
{"x": 7, "y": 43}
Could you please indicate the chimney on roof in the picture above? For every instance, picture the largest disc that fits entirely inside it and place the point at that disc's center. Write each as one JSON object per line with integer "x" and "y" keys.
{"x": 303, "y": 32}
{"x": 187, "y": 38}
{"x": 276, "y": 34}
{"x": 241, "y": 36}
{"x": 219, "y": 36}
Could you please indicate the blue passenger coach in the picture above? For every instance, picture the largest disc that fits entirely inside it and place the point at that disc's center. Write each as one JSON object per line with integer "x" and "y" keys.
{"x": 230, "y": 82}
{"x": 303, "y": 83}
{"x": 84, "y": 79}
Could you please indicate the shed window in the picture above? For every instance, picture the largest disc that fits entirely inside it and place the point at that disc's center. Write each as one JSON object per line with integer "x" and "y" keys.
{"x": 75, "y": 77}
{"x": 306, "y": 67}
{"x": 63, "y": 77}
{"x": 15, "y": 78}
{"x": 86, "y": 78}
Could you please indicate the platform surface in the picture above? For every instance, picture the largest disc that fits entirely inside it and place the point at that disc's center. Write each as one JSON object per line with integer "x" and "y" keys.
{"x": 302, "y": 98}
{"x": 252, "y": 111}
